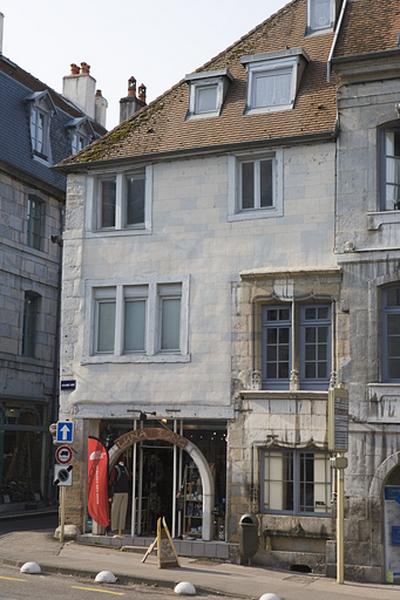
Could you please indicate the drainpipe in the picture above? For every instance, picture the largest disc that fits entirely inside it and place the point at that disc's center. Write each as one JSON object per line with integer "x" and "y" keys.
{"x": 335, "y": 39}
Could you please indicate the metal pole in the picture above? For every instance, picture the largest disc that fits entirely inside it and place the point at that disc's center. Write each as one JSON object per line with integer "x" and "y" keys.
{"x": 134, "y": 460}
{"x": 62, "y": 515}
{"x": 180, "y": 478}
{"x": 340, "y": 524}
{"x": 175, "y": 466}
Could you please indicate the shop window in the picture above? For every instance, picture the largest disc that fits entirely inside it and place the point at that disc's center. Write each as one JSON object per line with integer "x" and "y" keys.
{"x": 30, "y": 323}
{"x": 389, "y": 151}
{"x": 390, "y": 355}
{"x": 295, "y": 482}
{"x": 122, "y": 202}
{"x": 35, "y": 222}
{"x": 307, "y": 330}
{"x": 140, "y": 320}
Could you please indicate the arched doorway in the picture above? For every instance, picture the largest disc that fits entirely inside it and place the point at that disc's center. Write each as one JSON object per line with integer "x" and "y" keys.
{"x": 391, "y": 496}
{"x": 157, "y": 433}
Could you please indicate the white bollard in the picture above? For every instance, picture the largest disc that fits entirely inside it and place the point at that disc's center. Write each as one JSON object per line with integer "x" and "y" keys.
{"x": 31, "y": 567}
{"x": 105, "y": 577}
{"x": 185, "y": 588}
{"x": 269, "y": 597}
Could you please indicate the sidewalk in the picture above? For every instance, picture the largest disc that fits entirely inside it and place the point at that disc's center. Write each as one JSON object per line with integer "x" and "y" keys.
{"x": 233, "y": 580}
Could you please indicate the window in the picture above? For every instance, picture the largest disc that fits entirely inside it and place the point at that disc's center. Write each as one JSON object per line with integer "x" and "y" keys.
{"x": 122, "y": 202}
{"x": 207, "y": 93}
{"x": 139, "y": 321}
{"x": 41, "y": 108}
{"x": 391, "y": 334}
{"x": 29, "y": 328}
{"x": 35, "y": 222}
{"x": 321, "y": 14}
{"x": 295, "y": 482}
{"x": 308, "y": 337}
{"x": 256, "y": 186}
{"x": 78, "y": 142}
{"x": 274, "y": 79}
{"x": 390, "y": 169}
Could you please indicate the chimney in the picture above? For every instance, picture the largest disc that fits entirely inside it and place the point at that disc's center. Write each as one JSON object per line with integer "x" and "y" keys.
{"x": 80, "y": 87}
{"x": 100, "y": 109}
{"x": 142, "y": 93}
{"x": 1, "y": 32}
{"x": 131, "y": 103}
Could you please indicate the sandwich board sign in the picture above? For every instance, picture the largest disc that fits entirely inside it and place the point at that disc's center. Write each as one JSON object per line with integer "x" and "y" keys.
{"x": 166, "y": 552}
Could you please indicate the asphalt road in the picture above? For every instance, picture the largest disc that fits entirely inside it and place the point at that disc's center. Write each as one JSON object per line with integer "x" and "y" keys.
{"x": 14, "y": 586}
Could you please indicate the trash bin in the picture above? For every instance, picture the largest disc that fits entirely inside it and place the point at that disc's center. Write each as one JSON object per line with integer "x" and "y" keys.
{"x": 248, "y": 538}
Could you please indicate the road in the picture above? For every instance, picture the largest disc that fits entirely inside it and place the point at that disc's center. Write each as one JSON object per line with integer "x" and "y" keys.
{"x": 14, "y": 586}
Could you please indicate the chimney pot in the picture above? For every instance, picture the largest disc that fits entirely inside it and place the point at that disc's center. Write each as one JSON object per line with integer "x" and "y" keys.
{"x": 99, "y": 94}
{"x": 74, "y": 69}
{"x": 85, "y": 68}
{"x": 132, "y": 86}
{"x": 142, "y": 93}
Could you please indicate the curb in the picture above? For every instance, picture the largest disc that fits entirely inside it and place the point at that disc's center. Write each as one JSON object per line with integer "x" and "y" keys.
{"x": 123, "y": 579}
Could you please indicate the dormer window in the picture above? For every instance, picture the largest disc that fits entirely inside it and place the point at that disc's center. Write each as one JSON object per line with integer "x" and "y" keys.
{"x": 41, "y": 109}
{"x": 274, "y": 79}
{"x": 321, "y": 15}
{"x": 78, "y": 142}
{"x": 81, "y": 133}
{"x": 207, "y": 93}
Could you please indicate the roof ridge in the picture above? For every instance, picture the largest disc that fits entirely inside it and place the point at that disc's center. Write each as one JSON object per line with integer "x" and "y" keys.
{"x": 144, "y": 109}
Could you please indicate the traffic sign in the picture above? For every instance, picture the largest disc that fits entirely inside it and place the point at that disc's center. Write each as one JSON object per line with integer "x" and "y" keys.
{"x": 63, "y": 475}
{"x": 63, "y": 455}
{"x": 65, "y": 432}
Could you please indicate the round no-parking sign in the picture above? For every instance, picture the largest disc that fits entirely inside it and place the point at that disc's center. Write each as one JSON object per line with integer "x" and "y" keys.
{"x": 63, "y": 455}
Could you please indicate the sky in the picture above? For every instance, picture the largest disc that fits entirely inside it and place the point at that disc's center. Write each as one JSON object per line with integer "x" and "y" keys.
{"x": 157, "y": 41}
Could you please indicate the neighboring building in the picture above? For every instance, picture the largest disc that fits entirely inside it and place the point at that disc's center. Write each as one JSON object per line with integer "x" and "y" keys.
{"x": 200, "y": 288}
{"x": 39, "y": 127}
{"x": 367, "y": 59}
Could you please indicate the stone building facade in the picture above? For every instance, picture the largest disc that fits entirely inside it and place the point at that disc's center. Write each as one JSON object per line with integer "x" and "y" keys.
{"x": 38, "y": 128}
{"x": 224, "y": 256}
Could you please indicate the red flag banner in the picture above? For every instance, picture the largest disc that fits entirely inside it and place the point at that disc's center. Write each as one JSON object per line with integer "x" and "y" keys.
{"x": 98, "y": 505}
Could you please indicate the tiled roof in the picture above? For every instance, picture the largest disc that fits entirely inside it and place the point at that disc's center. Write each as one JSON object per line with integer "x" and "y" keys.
{"x": 369, "y": 26}
{"x": 161, "y": 127}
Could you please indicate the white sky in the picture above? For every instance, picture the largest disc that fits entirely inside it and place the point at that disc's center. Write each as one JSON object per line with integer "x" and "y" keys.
{"x": 157, "y": 41}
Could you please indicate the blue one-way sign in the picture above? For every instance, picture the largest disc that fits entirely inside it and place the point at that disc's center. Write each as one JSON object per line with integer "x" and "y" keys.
{"x": 65, "y": 432}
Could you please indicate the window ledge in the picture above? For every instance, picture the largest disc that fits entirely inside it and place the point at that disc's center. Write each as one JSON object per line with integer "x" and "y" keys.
{"x": 375, "y": 220}
{"x": 284, "y": 394}
{"x": 136, "y": 358}
{"x": 117, "y": 233}
{"x": 259, "y": 213}
{"x": 267, "y": 109}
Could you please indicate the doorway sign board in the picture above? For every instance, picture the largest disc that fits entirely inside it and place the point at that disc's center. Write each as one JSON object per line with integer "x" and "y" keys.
{"x": 338, "y": 420}
{"x": 64, "y": 432}
{"x": 166, "y": 552}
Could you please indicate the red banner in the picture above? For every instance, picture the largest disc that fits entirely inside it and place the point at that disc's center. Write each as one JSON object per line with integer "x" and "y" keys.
{"x": 98, "y": 505}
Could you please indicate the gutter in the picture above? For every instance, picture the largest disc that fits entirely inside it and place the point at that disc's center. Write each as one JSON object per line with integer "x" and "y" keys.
{"x": 365, "y": 57}
{"x": 335, "y": 39}
{"x": 325, "y": 136}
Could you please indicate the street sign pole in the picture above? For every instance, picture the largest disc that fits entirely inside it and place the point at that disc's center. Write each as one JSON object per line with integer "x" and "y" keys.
{"x": 62, "y": 514}
{"x": 339, "y": 521}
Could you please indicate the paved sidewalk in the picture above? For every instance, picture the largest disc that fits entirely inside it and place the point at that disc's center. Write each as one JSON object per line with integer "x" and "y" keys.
{"x": 233, "y": 580}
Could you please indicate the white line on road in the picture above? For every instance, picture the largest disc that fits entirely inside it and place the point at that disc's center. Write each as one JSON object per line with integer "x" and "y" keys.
{"x": 99, "y": 590}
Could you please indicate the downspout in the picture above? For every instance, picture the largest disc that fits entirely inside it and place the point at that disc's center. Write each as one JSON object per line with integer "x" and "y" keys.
{"x": 335, "y": 39}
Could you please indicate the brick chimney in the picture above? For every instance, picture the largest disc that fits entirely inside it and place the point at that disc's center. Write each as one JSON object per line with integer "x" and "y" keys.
{"x": 100, "y": 108}
{"x": 129, "y": 105}
{"x": 80, "y": 87}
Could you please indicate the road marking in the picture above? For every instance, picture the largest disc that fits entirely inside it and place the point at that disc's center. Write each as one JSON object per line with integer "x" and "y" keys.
{"x": 12, "y": 578}
{"x": 99, "y": 590}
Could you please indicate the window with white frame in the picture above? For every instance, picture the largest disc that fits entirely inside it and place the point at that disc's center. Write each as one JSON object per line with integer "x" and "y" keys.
{"x": 295, "y": 481}
{"x": 40, "y": 131}
{"x": 321, "y": 15}
{"x": 122, "y": 201}
{"x": 207, "y": 92}
{"x": 256, "y": 186}
{"x": 296, "y": 337}
{"x": 389, "y": 149}
{"x": 78, "y": 141}
{"x": 139, "y": 321}
{"x": 273, "y": 80}
{"x": 205, "y": 99}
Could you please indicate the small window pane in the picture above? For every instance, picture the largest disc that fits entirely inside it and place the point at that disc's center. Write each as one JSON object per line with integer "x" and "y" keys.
{"x": 283, "y": 371}
{"x": 135, "y": 200}
{"x": 272, "y": 88}
{"x": 272, "y": 353}
{"x": 320, "y": 14}
{"x": 206, "y": 99}
{"x": 271, "y": 370}
{"x": 35, "y": 225}
{"x": 272, "y": 315}
{"x": 310, "y": 353}
{"x": 284, "y": 314}
{"x": 393, "y": 296}
{"x": 323, "y": 312}
{"x": 322, "y": 370}
{"x": 248, "y": 185}
{"x": 266, "y": 183}
{"x": 135, "y": 320}
{"x": 394, "y": 368}
{"x": 322, "y": 334}
{"x": 394, "y": 324}
{"x": 310, "y": 370}
{"x": 272, "y": 336}
{"x": 105, "y": 326}
{"x": 108, "y": 199}
{"x": 310, "y": 335}
{"x": 284, "y": 353}
{"x": 170, "y": 323}
{"x": 310, "y": 314}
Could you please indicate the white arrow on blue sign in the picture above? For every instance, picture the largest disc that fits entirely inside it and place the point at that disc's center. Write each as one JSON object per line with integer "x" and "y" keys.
{"x": 65, "y": 432}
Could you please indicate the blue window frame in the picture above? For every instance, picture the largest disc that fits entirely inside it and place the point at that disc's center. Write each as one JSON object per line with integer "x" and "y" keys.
{"x": 315, "y": 351}
{"x": 391, "y": 334}
{"x": 295, "y": 482}
{"x": 276, "y": 341}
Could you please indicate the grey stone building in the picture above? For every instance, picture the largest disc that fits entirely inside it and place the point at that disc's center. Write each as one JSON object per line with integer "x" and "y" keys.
{"x": 39, "y": 127}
